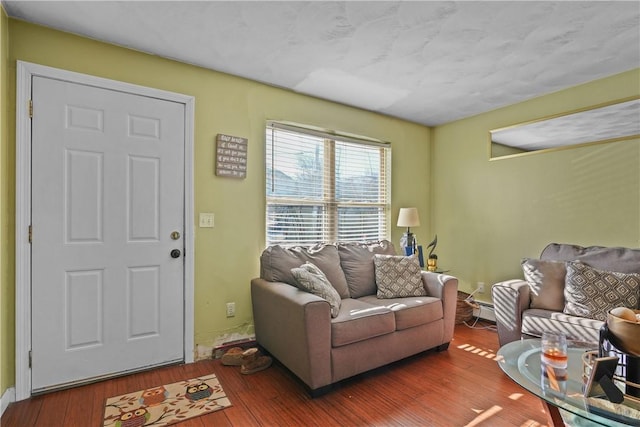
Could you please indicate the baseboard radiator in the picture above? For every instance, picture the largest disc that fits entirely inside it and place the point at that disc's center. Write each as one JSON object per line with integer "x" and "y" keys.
{"x": 485, "y": 311}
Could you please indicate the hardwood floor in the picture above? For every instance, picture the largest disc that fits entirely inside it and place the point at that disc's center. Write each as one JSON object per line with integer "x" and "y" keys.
{"x": 462, "y": 386}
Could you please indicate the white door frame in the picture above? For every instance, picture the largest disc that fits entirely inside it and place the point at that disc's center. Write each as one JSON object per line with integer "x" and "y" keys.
{"x": 25, "y": 72}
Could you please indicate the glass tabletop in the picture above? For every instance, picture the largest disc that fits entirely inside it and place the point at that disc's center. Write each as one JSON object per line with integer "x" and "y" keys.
{"x": 520, "y": 360}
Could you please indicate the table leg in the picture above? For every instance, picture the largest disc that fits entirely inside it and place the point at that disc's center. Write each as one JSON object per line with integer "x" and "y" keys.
{"x": 553, "y": 414}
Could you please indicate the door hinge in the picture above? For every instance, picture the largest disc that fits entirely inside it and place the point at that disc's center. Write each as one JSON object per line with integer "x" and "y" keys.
{"x": 30, "y": 358}
{"x": 30, "y": 109}
{"x": 30, "y": 233}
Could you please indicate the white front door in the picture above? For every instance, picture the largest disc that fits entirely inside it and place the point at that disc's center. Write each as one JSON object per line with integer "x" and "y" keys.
{"x": 108, "y": 201}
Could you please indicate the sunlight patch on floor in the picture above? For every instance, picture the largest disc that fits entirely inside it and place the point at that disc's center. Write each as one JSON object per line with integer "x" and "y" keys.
{"x": 484, "y": 415}
{"x": 487, "y": 354}
{"x": 532, "y": 423}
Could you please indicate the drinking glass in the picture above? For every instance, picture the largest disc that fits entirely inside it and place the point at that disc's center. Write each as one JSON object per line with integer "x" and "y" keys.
{"x": 553, "y": 359}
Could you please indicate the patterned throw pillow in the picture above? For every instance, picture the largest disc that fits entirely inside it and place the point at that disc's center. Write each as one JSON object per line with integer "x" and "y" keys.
{"x": 311, "y": 279}
{"x": 546, "y": 282}
{"x": 398, "y": 276}
{"x": 592, "y": 293}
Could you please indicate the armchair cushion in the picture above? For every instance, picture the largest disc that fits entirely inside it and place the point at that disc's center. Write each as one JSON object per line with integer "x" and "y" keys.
{"x": 591, "y": 293}
{"x": 536, "y": 321}
{"x": 398, "y": 276}
{"x": 546, "y": 282}
{"x": 311, "y": 279}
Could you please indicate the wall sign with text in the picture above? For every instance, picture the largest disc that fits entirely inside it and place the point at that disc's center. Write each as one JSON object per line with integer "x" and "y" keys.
{"x": 231, "y": 156}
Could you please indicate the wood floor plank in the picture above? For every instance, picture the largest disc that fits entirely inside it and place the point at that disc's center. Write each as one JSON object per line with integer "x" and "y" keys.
{"x": 25, "y": 412}
{"x": 53, "y": 409}
{"x": 82, "y": 397}
{"x": 463, "y": 386}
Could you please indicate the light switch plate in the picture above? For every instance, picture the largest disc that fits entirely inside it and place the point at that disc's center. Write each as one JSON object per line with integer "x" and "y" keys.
{"x": 206, "y": 220}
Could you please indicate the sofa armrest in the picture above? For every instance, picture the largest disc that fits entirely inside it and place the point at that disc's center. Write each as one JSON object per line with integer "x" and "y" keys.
{"x": 444, "y": 287}
{"x": 295, "y": 327}
{"x": 510, "y": 299}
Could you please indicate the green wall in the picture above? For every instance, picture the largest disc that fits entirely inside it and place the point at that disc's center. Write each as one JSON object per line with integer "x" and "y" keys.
{"x": 227, "y": 256}
{"x": 490, "y": 214}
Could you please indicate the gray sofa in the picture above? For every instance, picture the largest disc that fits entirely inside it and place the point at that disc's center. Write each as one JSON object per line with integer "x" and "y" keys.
{"x": 297, "y": 327}
{"x": 567, "y": 289}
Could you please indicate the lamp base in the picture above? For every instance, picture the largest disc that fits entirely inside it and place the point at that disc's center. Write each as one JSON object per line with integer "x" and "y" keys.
{"x": 407, "y": 241}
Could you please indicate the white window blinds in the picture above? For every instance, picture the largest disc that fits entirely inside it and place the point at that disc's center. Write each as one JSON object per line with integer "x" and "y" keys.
{"x": 325, "y": 188}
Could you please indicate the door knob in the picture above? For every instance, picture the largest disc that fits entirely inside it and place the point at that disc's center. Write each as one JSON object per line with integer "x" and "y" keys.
{"x": 175, "y": 253}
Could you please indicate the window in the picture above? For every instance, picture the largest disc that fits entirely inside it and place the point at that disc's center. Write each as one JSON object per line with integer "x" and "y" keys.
{"x": 325, "y": 188}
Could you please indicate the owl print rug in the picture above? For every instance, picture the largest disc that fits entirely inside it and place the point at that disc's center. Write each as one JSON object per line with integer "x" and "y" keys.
{"x": 167, "y": 404}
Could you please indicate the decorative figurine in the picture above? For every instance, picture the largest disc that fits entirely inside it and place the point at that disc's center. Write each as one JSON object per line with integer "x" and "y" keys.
{"x": 432, "y": 261}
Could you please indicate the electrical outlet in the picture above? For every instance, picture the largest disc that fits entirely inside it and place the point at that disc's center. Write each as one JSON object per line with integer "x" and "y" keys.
{"x": 480, "y": 287}
{"x": 231, "y": 309}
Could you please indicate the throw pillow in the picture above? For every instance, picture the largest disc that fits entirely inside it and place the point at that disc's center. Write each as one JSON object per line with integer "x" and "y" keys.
{"x": 546, "y": 282}
{"x": 398, "y": 276}
{"x": 591, "y": 293}
{"x": 311, "y": 279}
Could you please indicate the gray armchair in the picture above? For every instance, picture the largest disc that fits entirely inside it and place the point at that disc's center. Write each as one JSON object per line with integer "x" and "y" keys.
{"x": 526, "y": 308}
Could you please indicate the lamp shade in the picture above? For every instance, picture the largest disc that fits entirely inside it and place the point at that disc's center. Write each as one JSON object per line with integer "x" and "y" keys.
{"x": 408, "y": 217}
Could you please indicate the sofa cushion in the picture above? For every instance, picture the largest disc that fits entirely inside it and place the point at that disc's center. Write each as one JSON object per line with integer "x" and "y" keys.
{"x": 358, "y": 321}
{"x": 276, "y": 263}
{"x": 410, "y": 312}
{"x": 356, "y": 260}
{"x": 398, "y": 276}
{"x": 311, "y": 279}
{"x": 623, "y": 260}
{"x": 546, "y": 282}
{"x": 535, "y": 321}
{"x": 590, "y": 292}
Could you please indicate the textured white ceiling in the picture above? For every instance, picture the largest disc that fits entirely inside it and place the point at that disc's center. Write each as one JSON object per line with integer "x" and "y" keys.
{"x": 429, "y": 62}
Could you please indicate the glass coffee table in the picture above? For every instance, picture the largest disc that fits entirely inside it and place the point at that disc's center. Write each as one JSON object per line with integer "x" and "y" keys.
{"x": 520, "y": 360}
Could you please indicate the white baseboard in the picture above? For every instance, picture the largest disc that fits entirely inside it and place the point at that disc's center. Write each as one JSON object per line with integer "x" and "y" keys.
{"x": 8, "y": 397}
{"x": 486, "y": 311}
